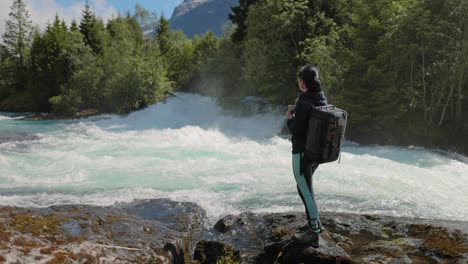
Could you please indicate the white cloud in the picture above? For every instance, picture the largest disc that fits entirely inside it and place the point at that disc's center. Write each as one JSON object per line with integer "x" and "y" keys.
{"x": 4, "y": 10}
{"x": 43, "y": 11}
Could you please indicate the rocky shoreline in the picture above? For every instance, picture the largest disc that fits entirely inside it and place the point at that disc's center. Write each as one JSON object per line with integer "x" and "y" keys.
{"x": 164, "y": 231}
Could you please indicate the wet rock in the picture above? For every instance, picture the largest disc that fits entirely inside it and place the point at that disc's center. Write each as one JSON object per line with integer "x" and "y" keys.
{"x": 226, "y": 223}
{"x": 186, "y": 218}
{"x": 267, "y": 238}
{"x": 440, "y": 241}
{"x": 339, "y": 238}
{"x": 210, "y": 252}
{"x": 37, "y": 117}
{"x": 10, "y": 136}
{"x": 291, "y": 251}
{"x": 153, "y": 231}
{"x": 86, "y": 113}
{"x": 162, "y": 231}
{"x": 463, "y": 260}
{"x": 372, "y": 217}
{"x": 385, "y": 254}
{"x": 261, "y": 237}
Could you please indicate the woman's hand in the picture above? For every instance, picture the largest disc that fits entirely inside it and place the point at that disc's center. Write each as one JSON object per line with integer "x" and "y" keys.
{"x": 290, "y": 112}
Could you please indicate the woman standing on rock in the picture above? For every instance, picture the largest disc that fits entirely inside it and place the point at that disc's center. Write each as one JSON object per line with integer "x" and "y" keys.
{"x": 298, "y": 117}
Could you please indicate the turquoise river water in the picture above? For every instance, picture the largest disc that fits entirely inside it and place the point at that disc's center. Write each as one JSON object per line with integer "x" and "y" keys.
{"x": 189, "y": 149}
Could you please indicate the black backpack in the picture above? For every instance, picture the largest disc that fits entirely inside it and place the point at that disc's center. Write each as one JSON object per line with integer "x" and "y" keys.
{"x": 325, "y": 134}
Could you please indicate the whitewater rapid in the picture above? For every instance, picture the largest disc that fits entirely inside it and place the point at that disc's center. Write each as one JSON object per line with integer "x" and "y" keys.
{"x": 189, "y": 149}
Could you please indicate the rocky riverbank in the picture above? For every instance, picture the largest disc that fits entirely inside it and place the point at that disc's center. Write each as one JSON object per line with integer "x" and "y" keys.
{"x": 155, "y": 231}
{"x": 349, "y": 238}
{"x": 163, "y": 231}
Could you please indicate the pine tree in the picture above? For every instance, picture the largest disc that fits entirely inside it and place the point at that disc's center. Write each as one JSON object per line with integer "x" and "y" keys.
{"x": 87, "y": 21}
{"x": 239, "y": 17}
{"x": 50, "y": 63}
{"x": 206, "y": 47}
{"x": 92, "y": 30}
{"x": 74, "y": 26}
{"x": 17, "y": 42}
{"x": 64, "y": 25}
{"x": 163, "y": 35}
{"x": 17, "y": 36}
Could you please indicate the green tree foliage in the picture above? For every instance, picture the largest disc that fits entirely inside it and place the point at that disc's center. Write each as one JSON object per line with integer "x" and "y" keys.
{"x": 17, "y": 44}
{"x": 163, "y": 35}
{"x": 17, "y": 37}
{"x": 396, "y": 66}
{"x": 5, "y": 85}
{"x": 205, "y": 51}
{"x": 179, "y": 60}
{"x": 224, "y": 70}
{"x": 365, "y": 78}
{"x": 81, "y": 88}
{"x": 424, "y": 53}
{"x": 50, "y": 62}
{"x": 205, "y": 47}
{"x": 7, "y": 74}
{"x": 407, "y": 58}
{"x": 275, "y": 29}
{"x": 110, "y": 68}
{"x": 323, "y": 43}
{"x": 74, "y": 26}
{"x": 92, "y": 29}
{"x": 127, "y": 77}
{"x": 399, "y": 67}
{"x": 139, "y": 76}
{"x": 239, "y": 18}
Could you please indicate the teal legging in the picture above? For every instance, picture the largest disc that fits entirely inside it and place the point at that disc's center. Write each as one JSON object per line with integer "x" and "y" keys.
{"x": 306, "y": 191}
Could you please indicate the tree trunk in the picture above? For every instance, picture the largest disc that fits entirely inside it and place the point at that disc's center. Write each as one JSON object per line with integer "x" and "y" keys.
{"x": 447, "y": 102}
{"x": 461, "y": 81}
{"x": 462, "y": 64}
{"x": 424, "y": 84}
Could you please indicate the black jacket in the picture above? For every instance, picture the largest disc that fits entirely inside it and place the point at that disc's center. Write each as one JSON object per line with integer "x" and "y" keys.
{"x": 299, "y": 123}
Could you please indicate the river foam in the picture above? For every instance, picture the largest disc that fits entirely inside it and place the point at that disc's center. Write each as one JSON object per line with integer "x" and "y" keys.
{"x": 189, "y": 149}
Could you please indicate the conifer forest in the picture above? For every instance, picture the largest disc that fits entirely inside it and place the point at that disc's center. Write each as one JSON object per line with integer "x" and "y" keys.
{"x": 400, "y": 68}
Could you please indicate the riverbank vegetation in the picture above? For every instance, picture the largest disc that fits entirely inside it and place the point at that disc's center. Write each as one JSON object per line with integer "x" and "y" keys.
{"x": 399, "y": 67}
{"x": 109, "y": 66}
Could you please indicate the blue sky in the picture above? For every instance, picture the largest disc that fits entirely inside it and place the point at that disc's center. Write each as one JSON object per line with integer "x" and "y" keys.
{"x": 166, "y": 6}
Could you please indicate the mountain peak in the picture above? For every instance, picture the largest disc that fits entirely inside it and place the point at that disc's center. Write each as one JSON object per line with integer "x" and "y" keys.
{"x": 186, "y": 6}
{"x": 195, "y": 17}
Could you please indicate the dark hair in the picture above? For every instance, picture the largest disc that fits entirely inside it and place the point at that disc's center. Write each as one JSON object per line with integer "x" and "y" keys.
{"x": 310, "y": 75}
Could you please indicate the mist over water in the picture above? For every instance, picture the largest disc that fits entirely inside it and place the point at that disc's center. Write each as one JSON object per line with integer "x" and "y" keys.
{"x": 189, "y": 149}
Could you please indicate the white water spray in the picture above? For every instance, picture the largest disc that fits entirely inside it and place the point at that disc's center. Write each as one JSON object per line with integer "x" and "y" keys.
{"x": 189, "y": 149}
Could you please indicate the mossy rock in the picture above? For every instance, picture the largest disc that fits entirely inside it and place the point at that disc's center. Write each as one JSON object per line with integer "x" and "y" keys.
{"x": 214, "y": 252}
{"x": 28, "y": 223}
{"x": 281, "y": 233}
{"x": 440, "y": 241}
{"x": 87, "y": 113}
